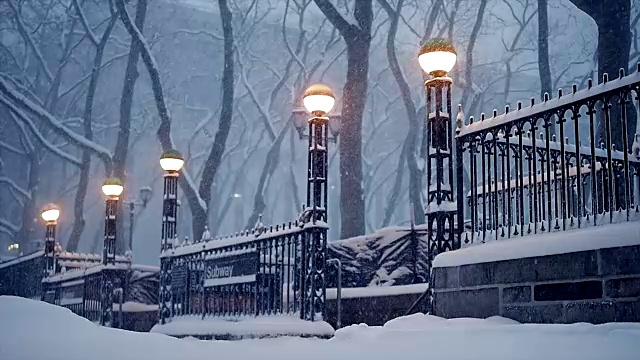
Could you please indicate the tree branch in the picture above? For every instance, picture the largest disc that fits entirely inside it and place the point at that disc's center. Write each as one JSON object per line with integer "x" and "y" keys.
{"x": 29, "y": 39}
{"x": 330, "y": 11}
{"x": 11, "y": 148}
{"x": 14, "y": 186}
{"x": 264, "y": 113}
{"x": 8, "y": 228}
{"x": 85, "y": 23}
{"x": 41, "y": 139}
{"x": 62, "y": 130}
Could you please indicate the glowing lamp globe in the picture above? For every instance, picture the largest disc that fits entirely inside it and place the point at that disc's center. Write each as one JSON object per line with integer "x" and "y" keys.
{"x": 437, "y": 57}
{"x": 51, "y": 213}
{"x": 171, "y": 161}
{"x": 319, "y": 99}
{"x": 112, "y": 187}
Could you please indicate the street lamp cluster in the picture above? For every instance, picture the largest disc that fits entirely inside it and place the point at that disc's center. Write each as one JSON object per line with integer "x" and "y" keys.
{"x": 112, "y": 188}
{"x": 437, "y": 57}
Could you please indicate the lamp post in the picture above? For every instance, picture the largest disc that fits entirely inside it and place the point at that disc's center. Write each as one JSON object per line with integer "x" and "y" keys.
{"x": 112, "y": 189}
{"x": 318, "y": 101}
{"x": 144, "y": 196}
{"x": 171, "y": 162}
{"x": 238, "y": 209}
{"x": 635, "y": 149}
{"x": 437, "y": 57}
{"x": 50, "y": 215}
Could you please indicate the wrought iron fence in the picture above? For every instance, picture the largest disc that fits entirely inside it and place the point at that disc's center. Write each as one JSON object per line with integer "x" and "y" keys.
{"x": 260, "y": 272}
{"x": 76, "y": 283}
{"x": 83, "y": 290}
{"x": 22, "y": 276}
{"x": 568, "y": 162}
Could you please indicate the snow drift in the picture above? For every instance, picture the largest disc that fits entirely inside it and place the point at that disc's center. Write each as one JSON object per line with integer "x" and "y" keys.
{"x": 33, "y": 330}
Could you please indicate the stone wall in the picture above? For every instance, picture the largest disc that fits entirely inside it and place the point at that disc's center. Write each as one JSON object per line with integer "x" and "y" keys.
{"x": 140, "y": 321}
{"x": 593, "y": 286}
{"x": 373, "y": 310}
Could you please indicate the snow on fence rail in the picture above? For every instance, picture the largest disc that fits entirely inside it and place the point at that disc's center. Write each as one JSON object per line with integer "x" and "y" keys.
{"x": 517, "y": 183}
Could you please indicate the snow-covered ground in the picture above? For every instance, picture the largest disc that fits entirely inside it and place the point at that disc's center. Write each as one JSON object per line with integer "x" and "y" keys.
{"x": 31, "y": 330}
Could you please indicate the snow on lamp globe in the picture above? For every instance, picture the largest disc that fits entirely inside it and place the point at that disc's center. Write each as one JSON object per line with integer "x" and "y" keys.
{"x": 112, "y": 187}
{"x": 171, "y": 161}
{"x": 319, "y": 99}
{"x": 50, "y": 213}
{"x": 437, "y": 57}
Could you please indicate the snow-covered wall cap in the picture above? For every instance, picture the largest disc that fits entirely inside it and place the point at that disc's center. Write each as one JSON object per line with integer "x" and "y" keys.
{"x": 70, "y": 255}
{"x": 631, "y": 80}
{"x": 562, "y": 242}
{"x": 81, "y": 272}
{"x": 21, "y": 259}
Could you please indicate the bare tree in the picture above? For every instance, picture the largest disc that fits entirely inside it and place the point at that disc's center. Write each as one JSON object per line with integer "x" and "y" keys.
{"x": 357, "y": 36}
{"x": 85, "y": 169}
{"x": 544, "y": 68}
{"x": 408, "y": 154}
{"x": 468, "y": 71}
{"x": 198, "y": 200}
{"x": 614, "y": 44}
{"x": 35, "y": 103}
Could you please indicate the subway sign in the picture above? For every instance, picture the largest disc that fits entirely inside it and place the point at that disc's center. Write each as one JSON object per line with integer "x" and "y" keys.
{"x": 233, "y": 269}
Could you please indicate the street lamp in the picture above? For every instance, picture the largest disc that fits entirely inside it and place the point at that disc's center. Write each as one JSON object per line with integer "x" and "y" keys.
{"x": 238, "y": 209}
{"x": 318, "y": 101}
{"x": 112, "y": 189}
{"x": 437, "y": 57}
{"x": 144, "y": 195}
{"x": 635, "y": 150}
{"x": 171, "y": 162}
{"x": 50, "y": 215}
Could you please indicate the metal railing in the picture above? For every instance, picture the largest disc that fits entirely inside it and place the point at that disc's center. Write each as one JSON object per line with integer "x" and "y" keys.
{"x": 262, "y": 272}
{"x": 338, "y": 264}
{"x": 568, "y": 162}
